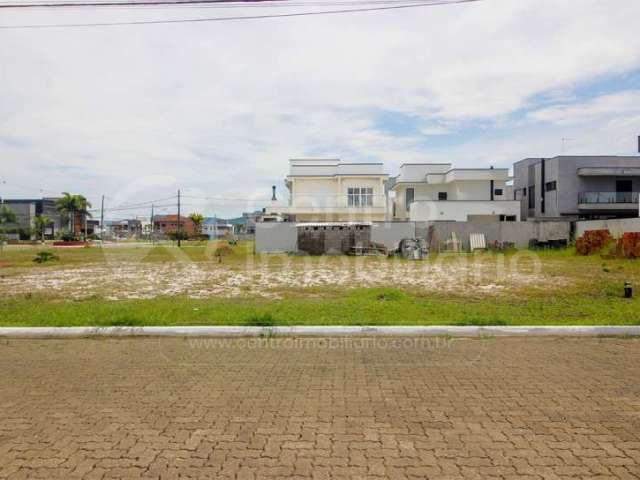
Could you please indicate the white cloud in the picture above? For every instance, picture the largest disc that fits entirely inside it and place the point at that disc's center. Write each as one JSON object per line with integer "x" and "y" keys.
{"x": 620, "y": 104}
{"x": 221, "y": 107}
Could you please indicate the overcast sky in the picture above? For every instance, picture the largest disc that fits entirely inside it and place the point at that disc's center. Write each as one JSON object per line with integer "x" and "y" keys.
{"x": 217, "y": 109}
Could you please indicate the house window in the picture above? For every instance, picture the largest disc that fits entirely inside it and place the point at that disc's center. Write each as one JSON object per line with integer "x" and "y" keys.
{"x": 442, "y": 196}
{"x": 551, "y": 186}
{"x": 360, "y": 197}
{"x": 408, "y": 198}
{"x": 498, "y": 192}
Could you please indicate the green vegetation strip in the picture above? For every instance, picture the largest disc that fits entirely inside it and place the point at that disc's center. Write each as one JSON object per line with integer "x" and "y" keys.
{"x": 357, "y": 307}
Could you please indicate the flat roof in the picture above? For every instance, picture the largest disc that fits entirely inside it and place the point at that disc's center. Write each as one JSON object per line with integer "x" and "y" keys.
{"x": 579, "y": 156}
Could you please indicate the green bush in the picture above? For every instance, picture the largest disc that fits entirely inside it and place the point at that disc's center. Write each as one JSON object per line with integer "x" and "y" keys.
{"x": 181, "y": 235}
{"x": 44, "y": 257}
{"x": 68, "y": 237}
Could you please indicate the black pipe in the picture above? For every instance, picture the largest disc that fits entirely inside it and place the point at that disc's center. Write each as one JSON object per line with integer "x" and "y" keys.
{"x": 542, "y": 186}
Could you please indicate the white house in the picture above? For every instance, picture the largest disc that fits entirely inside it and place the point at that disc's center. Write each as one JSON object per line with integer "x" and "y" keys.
{"x": 324, "y": 190}
{"x": 216, "y": 227}
{"x": 438, "y": 192}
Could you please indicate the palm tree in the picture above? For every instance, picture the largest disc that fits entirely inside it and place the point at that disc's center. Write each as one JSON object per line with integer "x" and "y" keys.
{"x": 66, "y": 206}
{"x": 41, "y": 223}
{"x": 6, "y": 216}
{"x": 82, "y": 209}
{"x": 70, "y": 206}
{"x": 197, "y": 219}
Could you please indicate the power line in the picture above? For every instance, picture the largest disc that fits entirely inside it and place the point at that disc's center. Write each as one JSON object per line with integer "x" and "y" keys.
{"x": 247, "y": 17}
{"x": 124, "y": 3}
{"x": 239, "y": 4}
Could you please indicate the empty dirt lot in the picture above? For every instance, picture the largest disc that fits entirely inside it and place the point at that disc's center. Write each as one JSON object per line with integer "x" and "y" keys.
{"x": 326, "y": 408}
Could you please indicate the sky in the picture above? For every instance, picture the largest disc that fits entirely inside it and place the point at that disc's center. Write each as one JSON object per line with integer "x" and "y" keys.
{"x": 217, "y": 109}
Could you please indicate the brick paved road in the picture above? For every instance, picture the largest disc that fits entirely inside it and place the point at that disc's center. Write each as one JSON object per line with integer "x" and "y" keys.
{"x": 492, "y": 408}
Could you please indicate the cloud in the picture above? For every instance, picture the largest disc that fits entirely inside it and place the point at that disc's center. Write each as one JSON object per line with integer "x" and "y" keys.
{"x": 220, "y": 107}
{"x": 620, "y": 104}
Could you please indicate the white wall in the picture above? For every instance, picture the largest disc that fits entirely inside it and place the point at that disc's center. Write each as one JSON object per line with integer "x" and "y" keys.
{"x": 314, "y": 192}
{"x": 324, "y": 193}
{"x": 459, "y": 190}
{"x": 458, "y": 211}
{"x": 616, "y": 227}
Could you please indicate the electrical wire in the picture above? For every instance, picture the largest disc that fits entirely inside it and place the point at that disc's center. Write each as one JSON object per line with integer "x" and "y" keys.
{"x": 127, "y": 3}
{"x": 259, "y": 4}
{"x": 234, "y": 18}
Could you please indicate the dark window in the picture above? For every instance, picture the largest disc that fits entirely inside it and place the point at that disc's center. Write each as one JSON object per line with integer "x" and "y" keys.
{"x": 524, "y": 192}
{"x": 497, "y": 191}
{"x": 408, "y": 198}
{"x": 551, "y": 186}
{"x": 442, "y": 195}
{"x": 623, "y": 191}
{"x": 532, "y": 197}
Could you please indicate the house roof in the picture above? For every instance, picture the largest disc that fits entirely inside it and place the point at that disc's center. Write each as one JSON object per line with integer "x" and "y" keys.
{"x": 214, "y": 220}
{"x": 170, "y": 218}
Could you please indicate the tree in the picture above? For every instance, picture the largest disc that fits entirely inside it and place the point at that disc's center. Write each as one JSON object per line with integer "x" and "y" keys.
{"x": 197, "y": 219}
{"x": 66, "y": 206}
{"x": 6, "y": 216}
{"x": 82, "y": 209}
{"x": 41, "y": 223}
{"x": 70, "y": 206}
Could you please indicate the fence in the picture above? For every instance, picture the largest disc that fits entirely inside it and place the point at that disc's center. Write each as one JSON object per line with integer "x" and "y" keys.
{"x": 616, "y": 227}
{"x": 518, "y": 233}
{"x": 278, "y": 237}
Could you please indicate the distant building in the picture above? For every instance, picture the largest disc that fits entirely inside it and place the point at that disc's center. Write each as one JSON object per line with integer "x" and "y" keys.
{"x": 584, "y": 187}
{"x": 217, "y": 227}
{"x": 26, "y": 211}
{"x": 331, "y": 190}
{"x": 128, "y": 228}
{"x": 251, "y": 218}
{"x": 165, "y": 224}
{"x": 438, "y": 192}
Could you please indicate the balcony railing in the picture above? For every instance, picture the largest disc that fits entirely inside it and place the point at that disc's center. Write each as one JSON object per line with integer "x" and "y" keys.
{"x": 607, "y": 197}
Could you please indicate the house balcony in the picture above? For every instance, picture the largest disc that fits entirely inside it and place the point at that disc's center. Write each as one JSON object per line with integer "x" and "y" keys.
{"x": 334, "y": 208}
{"x": 608, "y": 201}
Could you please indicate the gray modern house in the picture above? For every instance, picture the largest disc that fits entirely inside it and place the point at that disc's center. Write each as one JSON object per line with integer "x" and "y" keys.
{"x": 577, "y": 187}
{"x": 26, "y": 211}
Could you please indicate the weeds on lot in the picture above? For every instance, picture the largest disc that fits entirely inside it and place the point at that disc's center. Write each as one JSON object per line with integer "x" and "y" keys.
{"x": 44, "y": 257}
{"x": 260, "y": 320}
{"x": 125, "y": 321}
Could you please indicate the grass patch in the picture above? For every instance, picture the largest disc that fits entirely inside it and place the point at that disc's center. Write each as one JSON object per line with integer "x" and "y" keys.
{"x": 592, "y": 297}
{"x": 355, "y": 307}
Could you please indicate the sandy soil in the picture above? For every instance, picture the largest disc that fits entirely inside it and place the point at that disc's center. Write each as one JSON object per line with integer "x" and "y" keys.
{"x": 117, "y": 281}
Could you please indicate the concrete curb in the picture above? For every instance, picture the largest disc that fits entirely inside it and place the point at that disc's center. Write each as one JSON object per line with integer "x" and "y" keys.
{"x": 326, "y": 331}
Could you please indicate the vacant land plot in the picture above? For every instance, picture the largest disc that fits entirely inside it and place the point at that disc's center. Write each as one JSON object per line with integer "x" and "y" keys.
{"x": 168, "y": 408}
{"x": 201, "y": 284}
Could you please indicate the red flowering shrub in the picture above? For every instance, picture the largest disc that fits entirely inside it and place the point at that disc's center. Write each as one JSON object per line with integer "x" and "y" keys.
{"x": 629, "y": 245}
{"x": 593, "y": 241}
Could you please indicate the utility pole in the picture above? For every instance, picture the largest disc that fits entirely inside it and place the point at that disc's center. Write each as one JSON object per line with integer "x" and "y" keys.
{"x": 152, "y": 239}
{"x": 179, "y": 222}
{"x": 102, "y": 221}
